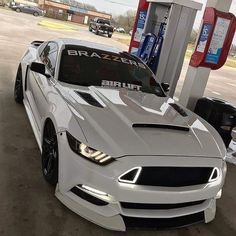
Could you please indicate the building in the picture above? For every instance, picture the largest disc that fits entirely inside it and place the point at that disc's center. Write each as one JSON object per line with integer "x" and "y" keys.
{"x": 63, "y": 11}
{"x": 24, "y": 2}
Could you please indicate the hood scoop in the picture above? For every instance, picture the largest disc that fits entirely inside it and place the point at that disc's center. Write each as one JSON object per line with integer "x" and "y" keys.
{"x": 161, "y": 126}
{"x": 179, "y": 109}
{"x": 89, "y": 99}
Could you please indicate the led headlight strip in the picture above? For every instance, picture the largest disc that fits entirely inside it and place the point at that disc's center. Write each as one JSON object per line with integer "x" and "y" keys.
{"x": 215, "y": 174}
{"x": 131, "y": 176}
{"x": 88, "y": 152}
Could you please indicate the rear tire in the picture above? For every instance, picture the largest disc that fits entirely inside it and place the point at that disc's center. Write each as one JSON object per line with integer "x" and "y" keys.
{"x": 90, "y": 29}
{"x": 50, "y": 154}
{"x": 97, "y": 32}
{"x": 109, "y": 35}
{"x": 18, "y": 89}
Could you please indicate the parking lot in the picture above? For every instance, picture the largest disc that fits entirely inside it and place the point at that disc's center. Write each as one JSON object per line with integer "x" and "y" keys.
{"x": 28, "y": 205}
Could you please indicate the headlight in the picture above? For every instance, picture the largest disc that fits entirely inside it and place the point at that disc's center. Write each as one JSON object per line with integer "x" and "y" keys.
{"x": 87, "y": 152}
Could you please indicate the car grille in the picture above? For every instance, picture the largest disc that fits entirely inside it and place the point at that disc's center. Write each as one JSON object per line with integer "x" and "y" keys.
{"x": 174, "y": 176}
{"x": 163, "y": 223}
{"x": 146, "y": 206}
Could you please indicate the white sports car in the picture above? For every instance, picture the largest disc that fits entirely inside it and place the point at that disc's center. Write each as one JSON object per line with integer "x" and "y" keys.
{"x": 119, "y": 151}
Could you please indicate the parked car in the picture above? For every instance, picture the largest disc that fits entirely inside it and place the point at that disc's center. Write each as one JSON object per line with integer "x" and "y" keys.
{"x": 100, "y": 25}
{"x": 120, "y": 152}
{"x": 28, "y": 9}
{"x": 120, "y": 30}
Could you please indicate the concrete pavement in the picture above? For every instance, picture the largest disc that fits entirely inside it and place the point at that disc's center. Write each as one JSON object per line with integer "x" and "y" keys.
{"x": 27, "y": 203}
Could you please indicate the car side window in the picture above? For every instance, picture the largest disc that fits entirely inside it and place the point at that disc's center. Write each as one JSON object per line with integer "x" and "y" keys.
{"x": 49, "y": 56}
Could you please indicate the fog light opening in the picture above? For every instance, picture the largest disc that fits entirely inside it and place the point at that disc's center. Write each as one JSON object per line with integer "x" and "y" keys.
{"x": 93, "y": 190}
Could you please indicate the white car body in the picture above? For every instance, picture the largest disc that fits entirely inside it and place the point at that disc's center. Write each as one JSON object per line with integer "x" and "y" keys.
{"x": 111, "y": 130}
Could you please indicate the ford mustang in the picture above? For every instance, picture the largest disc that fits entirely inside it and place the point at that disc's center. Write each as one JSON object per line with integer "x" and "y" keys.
{"x": 118, "y": 150}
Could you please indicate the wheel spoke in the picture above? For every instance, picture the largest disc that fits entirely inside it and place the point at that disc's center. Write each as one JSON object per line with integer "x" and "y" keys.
{"x": 50, "y": 164}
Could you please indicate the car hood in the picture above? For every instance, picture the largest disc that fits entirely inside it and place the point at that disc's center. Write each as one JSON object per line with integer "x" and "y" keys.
{"x": 122, "y": 122}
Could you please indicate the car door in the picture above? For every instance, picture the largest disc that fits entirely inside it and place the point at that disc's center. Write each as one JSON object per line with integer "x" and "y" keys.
{"x": 39, "y": 85}
{"x": 25, "y": 9}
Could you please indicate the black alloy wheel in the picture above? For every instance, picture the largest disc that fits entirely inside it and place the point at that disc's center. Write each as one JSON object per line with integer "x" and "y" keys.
{"x": 18, "y": 89}
{"x": 50, "y": 154}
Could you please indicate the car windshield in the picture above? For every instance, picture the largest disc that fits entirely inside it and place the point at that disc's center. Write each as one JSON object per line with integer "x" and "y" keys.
{"x": 92, "y": 67}
{"x": 100, "y": 21}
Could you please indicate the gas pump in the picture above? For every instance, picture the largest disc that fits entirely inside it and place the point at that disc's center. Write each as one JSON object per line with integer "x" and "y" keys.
{"x": 153, "y": 61}
{"x": 147, "y": 46}
{"x": 171, "y": 22}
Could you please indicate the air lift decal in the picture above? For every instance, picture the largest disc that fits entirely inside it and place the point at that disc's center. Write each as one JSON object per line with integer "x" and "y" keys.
{"x": 117, "y": 84}
{"x": 105, "y": 56}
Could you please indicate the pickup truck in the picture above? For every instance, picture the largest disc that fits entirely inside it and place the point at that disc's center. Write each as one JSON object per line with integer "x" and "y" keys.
{"x": 100, "y": 25}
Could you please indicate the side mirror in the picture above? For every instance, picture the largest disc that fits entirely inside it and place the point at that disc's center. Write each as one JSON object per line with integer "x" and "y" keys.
{"x": 39, "y": 68}
{"x": 165, "y": 86}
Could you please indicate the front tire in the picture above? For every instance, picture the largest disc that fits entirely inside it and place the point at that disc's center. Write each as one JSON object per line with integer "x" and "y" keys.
{"x": 90, "y": 29}
{"x": 97, "y": 32}
{"x": 50, "y": 154}
{"x": 18, "y": 89}
{"x": 109, "y": 35}
{"x": 18, "y": 10}
{"x": 36, "y": 14}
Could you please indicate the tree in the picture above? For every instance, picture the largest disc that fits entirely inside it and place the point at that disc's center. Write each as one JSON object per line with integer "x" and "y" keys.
{"x": 125, "y": 21}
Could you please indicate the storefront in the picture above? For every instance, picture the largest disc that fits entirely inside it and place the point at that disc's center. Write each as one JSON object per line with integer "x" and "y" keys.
{"x": 65, "y": 12}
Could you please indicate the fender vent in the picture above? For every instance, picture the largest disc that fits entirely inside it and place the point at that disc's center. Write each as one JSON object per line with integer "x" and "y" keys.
{"x": 89, "y": 99}
{"x": 37, "y": 43}
{"x": 161, "y": 126}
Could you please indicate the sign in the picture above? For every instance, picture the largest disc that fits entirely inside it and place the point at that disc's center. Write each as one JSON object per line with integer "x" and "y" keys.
{"x": 140, "y": 26}
{"x": 215, "y": 39}
{"x": 206, "y": 29}
{"x": 218, "y": 39}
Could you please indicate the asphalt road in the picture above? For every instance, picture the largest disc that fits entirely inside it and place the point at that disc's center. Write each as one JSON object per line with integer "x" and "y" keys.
{"x": 27, "y": 202}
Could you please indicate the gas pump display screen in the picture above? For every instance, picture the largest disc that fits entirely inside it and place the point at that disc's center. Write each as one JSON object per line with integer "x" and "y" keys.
{"x": 91, "y": 67}
{"x": 218, "y": 39}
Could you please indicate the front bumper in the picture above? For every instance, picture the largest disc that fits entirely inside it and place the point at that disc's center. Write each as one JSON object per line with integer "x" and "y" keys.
{"x": 76, "y": 171}
{"x": 103, "y": 31}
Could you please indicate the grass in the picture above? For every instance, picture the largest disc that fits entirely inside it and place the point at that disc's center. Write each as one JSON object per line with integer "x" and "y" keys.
{"x": 57, "y": 26}
{"x": 231, "y": 62}
{"x": 125, "y": 41}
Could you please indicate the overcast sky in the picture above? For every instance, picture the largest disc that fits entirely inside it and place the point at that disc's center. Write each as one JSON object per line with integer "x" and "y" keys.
{"x": 116, "y": 7}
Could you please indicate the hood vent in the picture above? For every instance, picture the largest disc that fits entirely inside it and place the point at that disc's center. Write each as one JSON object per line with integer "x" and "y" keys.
{"x": 179, "y": 109}
{"x": 89, "y": 99}
{"x": 161, "y": 126}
